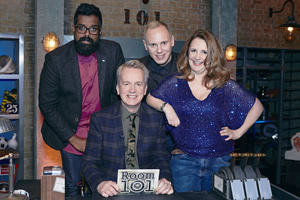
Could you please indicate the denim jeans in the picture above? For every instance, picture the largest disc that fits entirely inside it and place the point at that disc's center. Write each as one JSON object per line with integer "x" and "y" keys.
{"x": 71, "y": 164}
{"x": 194, "y": 174}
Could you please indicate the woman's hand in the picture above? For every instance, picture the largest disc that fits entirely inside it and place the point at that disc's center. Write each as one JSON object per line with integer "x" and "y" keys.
{"x": 232, "y": 134}
{"x": 171, "y": 115}
{"x": 162, "y": 106}
{"x": 251, "y": 118}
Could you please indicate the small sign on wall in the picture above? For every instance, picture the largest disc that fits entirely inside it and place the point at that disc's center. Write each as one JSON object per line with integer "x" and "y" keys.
{"x": 141, "y": 17}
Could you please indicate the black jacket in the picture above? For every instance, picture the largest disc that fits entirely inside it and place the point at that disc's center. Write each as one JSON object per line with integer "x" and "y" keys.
{"x": 154, "y": 76}
{"x": 60, "y": 95}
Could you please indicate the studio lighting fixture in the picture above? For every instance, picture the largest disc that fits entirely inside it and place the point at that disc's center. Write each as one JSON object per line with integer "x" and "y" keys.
{"x": 50, "y": 41}
{"x": 291, "y": 25}
{"x": 230, "y": 52}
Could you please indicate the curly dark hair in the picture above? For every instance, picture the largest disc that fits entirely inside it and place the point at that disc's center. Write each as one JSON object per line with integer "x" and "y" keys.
{"x": 88, "y": 9}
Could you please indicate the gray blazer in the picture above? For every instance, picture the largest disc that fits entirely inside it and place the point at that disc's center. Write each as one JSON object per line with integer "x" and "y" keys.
{"x": 60, "y": 96}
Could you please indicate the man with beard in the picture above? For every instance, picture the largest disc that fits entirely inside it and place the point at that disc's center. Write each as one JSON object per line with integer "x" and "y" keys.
{"x": 77, "y": 80}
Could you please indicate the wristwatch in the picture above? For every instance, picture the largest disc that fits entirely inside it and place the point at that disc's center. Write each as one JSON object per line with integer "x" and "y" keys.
{"x": 162, "y": 106}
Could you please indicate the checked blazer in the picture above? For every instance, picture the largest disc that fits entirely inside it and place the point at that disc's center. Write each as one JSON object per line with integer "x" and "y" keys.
{"x": 105, "y": 149}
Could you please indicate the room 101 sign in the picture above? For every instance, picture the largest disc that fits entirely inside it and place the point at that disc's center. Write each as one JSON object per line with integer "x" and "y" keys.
{"x": 138, "y": 180}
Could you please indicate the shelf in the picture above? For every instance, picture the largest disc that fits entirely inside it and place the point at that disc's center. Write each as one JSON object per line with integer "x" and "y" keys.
{"x": 266, "y": 121}
{"x": 269, "y": 100}
{"x": 291, "y": 109}
{"x": 9, "y": 76}
{"x": 292, "y": 89}
{"x": 291, "y": 98}
{"x": 291, "y": 69}
{"x": 13, "y": 45}
{"x": 291, "y": 60}
{"x": 260, "y": 67}
{"x": 268, "y": 60}
{"x": 291, "y": 118}
{"x": 279, "y": 71}
{"x": 10, "y": 116}
{"x": 291, "y": 79}
{"x": 291, "y": 128}
{"x": 263, "y": 79}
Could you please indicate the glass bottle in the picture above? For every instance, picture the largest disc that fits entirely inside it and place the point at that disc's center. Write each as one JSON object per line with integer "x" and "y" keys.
{"x": 262, "y": 95}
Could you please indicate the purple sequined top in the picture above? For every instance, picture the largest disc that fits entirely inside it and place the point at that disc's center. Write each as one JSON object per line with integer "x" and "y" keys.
{"x": 198, "y": 134}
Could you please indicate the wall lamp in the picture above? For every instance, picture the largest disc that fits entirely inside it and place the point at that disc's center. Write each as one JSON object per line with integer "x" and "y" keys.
{"x": 230, "y": 52}
{"x": 291, "y": 25}
{"x": 50, "y": 41}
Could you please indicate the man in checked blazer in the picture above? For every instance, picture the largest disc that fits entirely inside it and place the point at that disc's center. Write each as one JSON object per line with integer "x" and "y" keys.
{"x": 105, "y": 151}
{"x": 77, "y": 79}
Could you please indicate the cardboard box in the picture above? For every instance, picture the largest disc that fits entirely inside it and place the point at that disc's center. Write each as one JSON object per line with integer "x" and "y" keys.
{"x": 52, "y": 188}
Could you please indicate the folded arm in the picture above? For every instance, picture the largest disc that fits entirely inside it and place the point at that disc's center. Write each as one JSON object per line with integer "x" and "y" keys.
{"x": 169, "y": 111}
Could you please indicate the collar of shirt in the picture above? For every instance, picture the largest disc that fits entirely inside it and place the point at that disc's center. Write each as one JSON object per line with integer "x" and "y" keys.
{"x": 163, "y": 70}
{"x": 125, "y": 113}
{"x": 85, "y": 59}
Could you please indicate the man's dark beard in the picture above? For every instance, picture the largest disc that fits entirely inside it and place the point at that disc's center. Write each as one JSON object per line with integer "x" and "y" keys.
{"x": 86, "y": 49}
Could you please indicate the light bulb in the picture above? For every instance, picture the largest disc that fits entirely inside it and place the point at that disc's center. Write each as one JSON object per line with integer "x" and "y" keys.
{"x": 50, "y": 41}
{"x": 289, "y": 34}
{"x": 230, "y": 52}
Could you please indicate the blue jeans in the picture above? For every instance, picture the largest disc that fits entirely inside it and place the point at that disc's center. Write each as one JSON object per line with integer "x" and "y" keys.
{"x": 71, "y": 164}
{"x": 194, "y": 174}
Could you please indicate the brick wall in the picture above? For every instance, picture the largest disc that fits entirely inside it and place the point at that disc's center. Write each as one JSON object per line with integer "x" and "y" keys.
{"x": 256, "y": 29}
{"x": 17, "y": 16}
{"x": 183, "y": 16}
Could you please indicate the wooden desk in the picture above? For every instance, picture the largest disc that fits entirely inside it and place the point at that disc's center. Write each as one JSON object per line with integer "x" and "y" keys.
{"x": 33, "y": 187}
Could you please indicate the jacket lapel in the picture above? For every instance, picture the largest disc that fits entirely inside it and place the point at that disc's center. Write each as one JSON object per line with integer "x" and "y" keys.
{"x": 141, "y": 133}
{"x": 101, "y": 58}
{"x": 74, "y": 70}
{"x": 119, "y": 130}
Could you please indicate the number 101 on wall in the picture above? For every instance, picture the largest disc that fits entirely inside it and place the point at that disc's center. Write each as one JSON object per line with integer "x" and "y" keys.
{"x": 141, "y": 17}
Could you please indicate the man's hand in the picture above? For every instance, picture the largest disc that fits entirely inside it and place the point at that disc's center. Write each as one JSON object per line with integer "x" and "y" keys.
{"x": 164, "y": 187}
{"x": 108, "y": 188}
{"x": 78, "y": 143}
